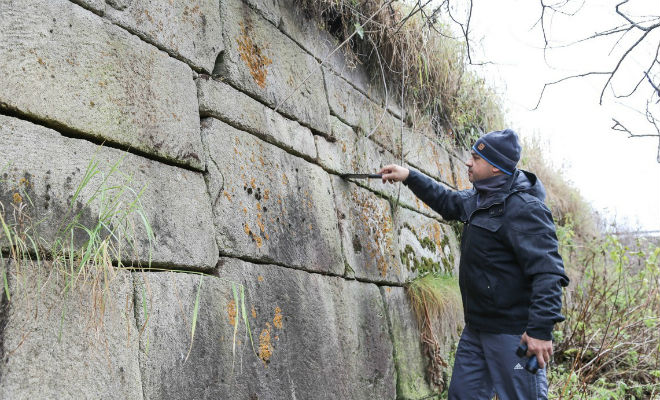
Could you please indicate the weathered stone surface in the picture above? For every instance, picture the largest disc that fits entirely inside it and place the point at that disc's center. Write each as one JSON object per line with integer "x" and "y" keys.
{"x": 367, "y": 233}
{"x": 78, "y": 344}
{"x": 315, "y": 337}
{"x": 460, "y": 172}
{"x": 65, "y": 65}
{"x": 270, "y": 9}
{"x": 428, "y": 156}
{"x": 217, "y": 99}
{"x": 423, "y": 244}
{"x": 175, "y": 201}
{"x": 189, "y": 29}
{"x": 268, "y": 204}
{"x": 409, "y": 359}
{"x": 366, "y": 117}
{"x": 349, "y": 153}
{"x": 265, "y": 63}
{"x": 98, "y": 6}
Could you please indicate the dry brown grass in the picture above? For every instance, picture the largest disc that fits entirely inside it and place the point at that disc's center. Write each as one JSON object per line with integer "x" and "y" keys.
{"x": 422, "y": 54}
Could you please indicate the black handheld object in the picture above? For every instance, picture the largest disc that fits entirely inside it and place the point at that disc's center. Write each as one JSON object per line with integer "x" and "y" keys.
{"x": 532, "y": 364}
{"x": 362, "y": 176}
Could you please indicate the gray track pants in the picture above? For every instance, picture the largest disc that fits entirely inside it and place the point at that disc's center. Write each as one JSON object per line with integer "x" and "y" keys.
{"x": 486, "y": 363}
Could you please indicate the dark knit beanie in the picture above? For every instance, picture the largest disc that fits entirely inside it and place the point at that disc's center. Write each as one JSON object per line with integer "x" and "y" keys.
{"x": 500, "y": 149}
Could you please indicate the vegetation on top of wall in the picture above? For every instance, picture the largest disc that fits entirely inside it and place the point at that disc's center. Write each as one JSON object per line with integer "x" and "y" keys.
{"x": 401, "y": 46}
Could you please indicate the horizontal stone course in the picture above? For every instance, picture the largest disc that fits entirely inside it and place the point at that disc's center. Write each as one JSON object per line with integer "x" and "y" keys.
{"x": 268, "y": 204}
{"x": 66, "y": 66}
{"x": 174, "y": 201}
{"x": 188, "y": 29}
{"x": 217, "y": 99}
{"x": 311, "y": 336}
{"x": 263, "y": 62}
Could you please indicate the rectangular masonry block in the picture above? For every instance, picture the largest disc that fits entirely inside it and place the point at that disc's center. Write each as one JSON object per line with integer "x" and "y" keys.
{"x": 424, "y": 245}
{"x": 269, "y": 205}
{"x": 367, "y": 233}
{"x": 61, "y": 341}
{"x": 188, "y": 29}
{"x": 409, "y": 358}
{"x": 310, "y": 336}
{"x": 263, "y": 62}
{"x": 70, "y": 68}
{"x": 219, "y": 100}
{"x": 174, "y": 201}
{"x": 428, "y": 156}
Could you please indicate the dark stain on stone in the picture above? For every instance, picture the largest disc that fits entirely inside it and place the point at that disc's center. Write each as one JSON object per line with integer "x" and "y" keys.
{"x": 357, "y": 246}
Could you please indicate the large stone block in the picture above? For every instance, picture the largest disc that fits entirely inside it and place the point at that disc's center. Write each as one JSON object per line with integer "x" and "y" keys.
{"x": 189, "y": 29}
{"x": 409, "y": 357}
{"x": 219, "y": 100}
{"x": 74, "y": 343}
{"x": 428, "y": 156}
{"x": 311, "y": 336}
{"x": 460, "y": 171}
{"x": 268, "y": 204}
{"x": 367, "y": 233}
{"x": 42, "y": 171}
{"x": 423, "y": 244}
{"x": 263, "y": 62}
{"x": 70, "y": 68}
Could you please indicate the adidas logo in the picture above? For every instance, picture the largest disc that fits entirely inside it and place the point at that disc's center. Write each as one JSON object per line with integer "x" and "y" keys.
{"x": 518, "y": 366}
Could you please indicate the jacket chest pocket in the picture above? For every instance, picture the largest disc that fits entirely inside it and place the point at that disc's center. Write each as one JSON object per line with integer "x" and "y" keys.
{"x": 485, "y": 232}
{"x": 490, "y": 220}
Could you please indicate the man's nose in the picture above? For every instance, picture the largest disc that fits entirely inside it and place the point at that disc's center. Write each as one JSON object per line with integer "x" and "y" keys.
{"x": 468, "y": 162}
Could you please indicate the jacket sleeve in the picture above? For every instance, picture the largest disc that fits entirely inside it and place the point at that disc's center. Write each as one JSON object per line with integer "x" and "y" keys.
{"x": 534, "y": 241}
{"x": 446, "y": 202}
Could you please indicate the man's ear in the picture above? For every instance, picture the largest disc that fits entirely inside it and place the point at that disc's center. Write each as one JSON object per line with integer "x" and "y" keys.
{"x": 496, "y": 170}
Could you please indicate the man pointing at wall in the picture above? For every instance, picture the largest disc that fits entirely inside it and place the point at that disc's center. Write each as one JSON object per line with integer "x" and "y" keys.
{"x": 511, "y": 273}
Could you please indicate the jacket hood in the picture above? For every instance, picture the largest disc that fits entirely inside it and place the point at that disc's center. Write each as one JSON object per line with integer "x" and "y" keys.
{"x": 525, "y": 181}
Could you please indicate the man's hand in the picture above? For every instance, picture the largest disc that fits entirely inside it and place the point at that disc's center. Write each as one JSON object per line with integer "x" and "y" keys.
{"x": 542, "y": 349}
{"x": 394, "y": 173}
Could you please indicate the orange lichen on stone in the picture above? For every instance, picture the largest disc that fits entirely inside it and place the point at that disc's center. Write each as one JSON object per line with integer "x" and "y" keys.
{"x": 388, "y": 289}
{"x": 265, "y": 346}
{"x": 260, "y": 278}
{"x": 231, "y": 312}
{"x": 285, "y": 180}
{"x": 254, "y": 185}
{"x": 258, "y": 206}
{"x": 277, "y": 319}
{"x": 254, "y": 312}
{"x": 17, "y": 198}
{"x": 266, "y": 194}
{"x": 227, "y": 195}
{"x": 244, "y": 210}
{"x": 252, "y": 55}
{"x": 376, "y": 224}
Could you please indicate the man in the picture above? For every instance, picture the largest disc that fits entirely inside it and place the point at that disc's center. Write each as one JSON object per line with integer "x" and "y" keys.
{"x": 510, "y": 273}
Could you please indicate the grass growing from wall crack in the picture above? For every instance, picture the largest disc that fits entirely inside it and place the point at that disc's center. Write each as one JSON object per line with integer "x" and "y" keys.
{"x": 87, "y": 250}
{"x": 436, "y": 302}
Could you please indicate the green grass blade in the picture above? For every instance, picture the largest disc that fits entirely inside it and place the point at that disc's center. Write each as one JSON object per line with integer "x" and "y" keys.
{"x": 194, "y": 318}
{"x": 246, "y": 321}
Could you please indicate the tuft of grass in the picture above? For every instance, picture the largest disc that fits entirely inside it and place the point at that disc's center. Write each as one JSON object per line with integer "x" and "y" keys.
{"x": 419, "y": 54}
{"x": 82, "y": 254}
{"x": 436, "y": 302}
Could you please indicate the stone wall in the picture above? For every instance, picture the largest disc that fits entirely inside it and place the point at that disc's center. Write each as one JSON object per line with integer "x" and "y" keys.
{"x": 241, "y": 182}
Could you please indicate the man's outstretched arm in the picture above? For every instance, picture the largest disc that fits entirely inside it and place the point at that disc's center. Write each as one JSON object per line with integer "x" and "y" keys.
{"x": 447, "y": 203}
